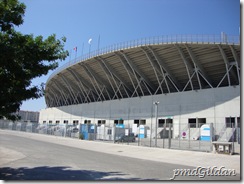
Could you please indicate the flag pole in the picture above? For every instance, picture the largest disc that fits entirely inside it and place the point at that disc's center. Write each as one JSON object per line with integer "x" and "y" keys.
{"x": 98, "y": 44}
{"x": 89, "y": 42}
{"x": 89, "y": 49}
{"x": 82, "y": 49}
{"x": 75, "y": 53}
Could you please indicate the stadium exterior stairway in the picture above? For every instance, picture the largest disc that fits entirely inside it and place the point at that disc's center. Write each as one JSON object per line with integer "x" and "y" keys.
{"x": 227, "y": 135}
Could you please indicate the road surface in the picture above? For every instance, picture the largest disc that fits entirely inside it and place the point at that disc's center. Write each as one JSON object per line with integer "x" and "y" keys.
{"x": 24, "y": 157}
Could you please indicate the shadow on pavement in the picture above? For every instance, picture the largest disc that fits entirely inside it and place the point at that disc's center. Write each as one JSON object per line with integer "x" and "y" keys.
{"x": 60, "y": 173}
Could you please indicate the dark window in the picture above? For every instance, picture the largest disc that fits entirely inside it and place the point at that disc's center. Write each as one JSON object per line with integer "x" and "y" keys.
{"x": 87, "y": 121}
{"x": 137, "y": 121}
{"x": 169, "y": 122}
{"x": 142, "y": 122}
{"x": 196, "y": 122}
{"x": 101, "y": 122}
{"x": 201, "y": 121}
{"x": 192, "y": 122}
{"x": 161, "y": 123}
{"x": 121, "y": 122}
{"x": 229, "y": 122}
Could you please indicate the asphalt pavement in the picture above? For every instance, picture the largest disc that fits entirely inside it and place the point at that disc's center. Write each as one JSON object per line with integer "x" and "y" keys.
{"x": 29, "y": 156}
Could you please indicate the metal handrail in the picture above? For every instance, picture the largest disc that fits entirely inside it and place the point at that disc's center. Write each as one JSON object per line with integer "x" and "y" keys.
{"x": 159, "y": 40}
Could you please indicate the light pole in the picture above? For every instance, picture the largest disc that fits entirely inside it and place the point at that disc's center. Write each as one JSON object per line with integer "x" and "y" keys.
{"x": 89, "y": 42}
{"x": 156, "y": 120}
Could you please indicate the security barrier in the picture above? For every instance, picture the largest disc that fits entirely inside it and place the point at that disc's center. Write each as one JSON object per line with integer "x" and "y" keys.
{"x": 202, "y": 138}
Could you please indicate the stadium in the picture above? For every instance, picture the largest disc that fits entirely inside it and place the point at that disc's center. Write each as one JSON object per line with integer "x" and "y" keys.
{"x": 177, "y": 82}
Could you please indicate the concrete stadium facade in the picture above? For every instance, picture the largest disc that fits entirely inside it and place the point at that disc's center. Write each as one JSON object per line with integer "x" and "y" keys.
{"x": 195, "y": 79}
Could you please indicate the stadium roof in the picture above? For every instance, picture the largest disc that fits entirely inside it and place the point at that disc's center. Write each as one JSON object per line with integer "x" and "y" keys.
{"x": 150, "y": 66}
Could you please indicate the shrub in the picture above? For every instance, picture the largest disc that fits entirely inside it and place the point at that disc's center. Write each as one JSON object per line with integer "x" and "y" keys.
{"x": 81, "y": 136}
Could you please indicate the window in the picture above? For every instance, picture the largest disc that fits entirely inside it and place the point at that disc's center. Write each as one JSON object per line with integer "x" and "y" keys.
{"x": 44, "y": 122}
{"x": 161, "y": 123}
{"x": 196, "y": 122}
{"x": 57, "y": 122}
{"x": 192, "y": 122}
{"x": 136, "y": 121}
{"x": 140, "y": 122}
{"x": 169, "y": 121}
{"x": 50, "y": 122}
{"x": 165, "y": 122}
{"x": 120, "y": 122}
{"x": 75, "y": 122}
{"x": 101, "y": 122}
{"x": 230, "y": 122}
{"x": 201, "y": 121}
{"x": 87, "y": 121}
{"x": 66, "y": 121}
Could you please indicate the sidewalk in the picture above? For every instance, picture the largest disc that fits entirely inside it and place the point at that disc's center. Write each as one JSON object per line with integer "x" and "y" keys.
{"x": 182, "y": 157}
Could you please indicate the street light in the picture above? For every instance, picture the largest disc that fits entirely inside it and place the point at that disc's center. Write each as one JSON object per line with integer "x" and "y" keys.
{"x": 89, "y": 42}
{"x": 156, "y": 119}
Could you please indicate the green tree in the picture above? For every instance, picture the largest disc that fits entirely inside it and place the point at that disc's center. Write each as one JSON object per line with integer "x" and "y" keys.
{"x": 23, "y": 58}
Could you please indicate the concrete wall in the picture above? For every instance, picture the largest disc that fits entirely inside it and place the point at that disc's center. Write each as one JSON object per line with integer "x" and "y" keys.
{"x": 213, "y": 104}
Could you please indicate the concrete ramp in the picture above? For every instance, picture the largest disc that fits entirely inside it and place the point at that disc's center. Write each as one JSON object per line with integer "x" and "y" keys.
{"x": 159, "y": 132}
{"x": 226, "y": 136}
{"x": 194, "y": 134}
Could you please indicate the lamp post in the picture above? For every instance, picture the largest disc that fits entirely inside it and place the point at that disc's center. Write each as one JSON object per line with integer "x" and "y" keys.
{"x": 156, "y": 120}
{"x": 89, "y": 42}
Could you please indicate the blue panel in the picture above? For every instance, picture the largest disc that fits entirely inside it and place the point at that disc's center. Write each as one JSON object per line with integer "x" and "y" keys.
{"x": 120, "y": 126}
{"x": 141, "y": 136}
{"x": 205, "y": 138}
{"x": 83, "y": 128}
{"x": 206, "y": 128}
{"x": 85, "y": 136}
{"x": 84, "y": 131}
{"x": 91, "y": 128}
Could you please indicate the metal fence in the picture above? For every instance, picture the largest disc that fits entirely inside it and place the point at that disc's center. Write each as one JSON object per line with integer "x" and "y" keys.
{"x": 49, "y": 129}
{"x": 186, "y": 137}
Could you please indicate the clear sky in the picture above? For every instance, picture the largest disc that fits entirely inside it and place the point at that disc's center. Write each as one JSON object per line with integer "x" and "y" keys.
{"x": 123, "y": 20}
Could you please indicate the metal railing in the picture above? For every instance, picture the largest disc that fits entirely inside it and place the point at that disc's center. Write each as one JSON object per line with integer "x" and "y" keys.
{"x": 115, "y": 134}
{"x": 62, "y": 130}
{"x": 158, "y": 40}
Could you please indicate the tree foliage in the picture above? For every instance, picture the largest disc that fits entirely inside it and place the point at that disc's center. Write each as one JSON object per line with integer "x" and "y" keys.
{"x": 23, "y": 58}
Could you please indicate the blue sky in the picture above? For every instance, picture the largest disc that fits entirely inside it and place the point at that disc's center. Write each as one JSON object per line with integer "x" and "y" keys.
{"x": 123, "y": 20}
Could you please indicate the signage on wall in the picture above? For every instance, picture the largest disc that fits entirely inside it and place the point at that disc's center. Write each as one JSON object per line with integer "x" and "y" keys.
{"x": 141, "y": 131}
{"x": 205, "y": 133}
{"x": 183, "y": 134}
{"x": 120, "y": 126}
